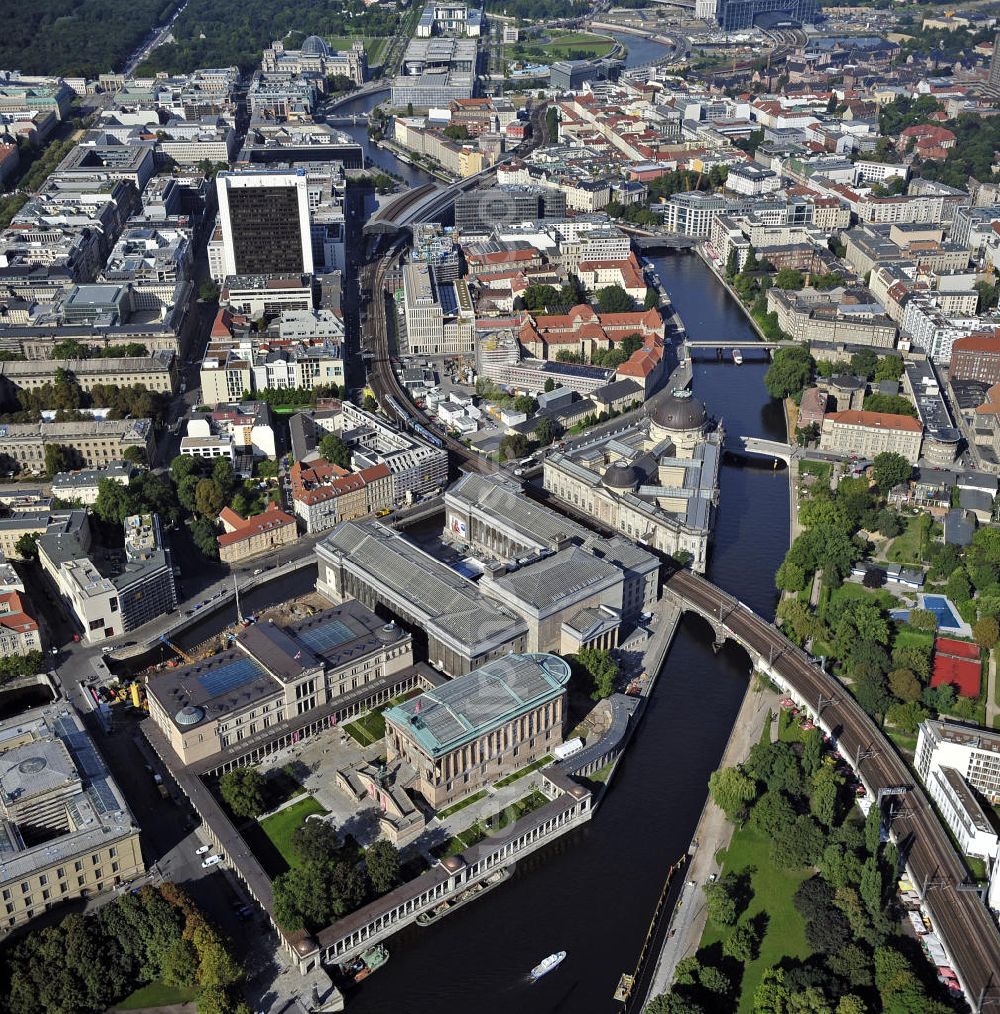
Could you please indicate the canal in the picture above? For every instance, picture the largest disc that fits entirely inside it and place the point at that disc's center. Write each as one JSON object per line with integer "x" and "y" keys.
{"x": 592, "y": 893}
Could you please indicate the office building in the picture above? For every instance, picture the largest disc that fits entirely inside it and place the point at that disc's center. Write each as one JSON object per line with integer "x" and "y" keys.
{"x": 440, "y": 316}
{"x": 867, "y": 434}
{"x": 994, "y": 78}
{"x": 486, "y": 208}
{"x": 436, "y": 71}
{"x": 66, "y": 831}
{"x": 83, "y": 485}
{"x": 976, "y": 357}
{"x": 481, "y": 725}
{"x": 264, "y": 216}
{"x": 449, "y": 18}
{"x": 732, "y": 15}
{"x": 323, "y": 495}
{"x": 119, "y": 595}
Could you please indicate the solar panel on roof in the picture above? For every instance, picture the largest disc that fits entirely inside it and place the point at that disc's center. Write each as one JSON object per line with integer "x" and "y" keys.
{"x": 329, "y": 635}
{"x": 229, "y": 676}
{"x": 102, "y": 796}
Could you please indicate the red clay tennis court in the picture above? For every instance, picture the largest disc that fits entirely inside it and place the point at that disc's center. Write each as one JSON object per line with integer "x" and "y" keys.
{"x": 957, "y": 662}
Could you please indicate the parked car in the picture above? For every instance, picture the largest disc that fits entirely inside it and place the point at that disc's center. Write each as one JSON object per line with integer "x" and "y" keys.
{"x": 211, "y": 861}
{"x": 201, "y": 851}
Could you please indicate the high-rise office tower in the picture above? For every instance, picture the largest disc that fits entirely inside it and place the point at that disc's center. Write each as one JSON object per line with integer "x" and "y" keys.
{"x": 264, "y": 215}
{"x": 995, "y": 64}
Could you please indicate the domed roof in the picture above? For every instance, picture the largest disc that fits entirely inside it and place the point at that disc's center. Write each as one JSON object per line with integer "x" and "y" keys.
{"x": 388, "y": 632}
{"x": 620, "y": 475}
{"x": 191, "y": 715}
{"x": 315, "y": 46}
{"x": 679, "y": 410}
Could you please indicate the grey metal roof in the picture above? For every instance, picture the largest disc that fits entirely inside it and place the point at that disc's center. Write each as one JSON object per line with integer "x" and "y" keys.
{"x": 440, "y": 597}
{"x": 554, "y": 578}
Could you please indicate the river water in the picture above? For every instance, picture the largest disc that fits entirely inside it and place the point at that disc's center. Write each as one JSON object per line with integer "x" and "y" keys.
{"x": 593, "y": 892}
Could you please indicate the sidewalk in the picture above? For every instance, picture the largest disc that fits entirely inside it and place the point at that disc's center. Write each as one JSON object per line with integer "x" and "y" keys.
{"x": 712, "y": 834}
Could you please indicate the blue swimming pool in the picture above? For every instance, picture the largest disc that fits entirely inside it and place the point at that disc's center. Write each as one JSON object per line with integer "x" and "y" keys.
{"x": 942, "y": 608}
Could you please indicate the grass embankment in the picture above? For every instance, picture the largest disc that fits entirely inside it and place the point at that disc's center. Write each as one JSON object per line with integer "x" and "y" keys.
{"x": 280, "y": 827}
{"x": 157, "y": 994}
{"x": 821, "y": 469}
{"x": 773, "y": 893}
{"x": 910, "y": 547}
{"x": 511, "y": 778}
{"x": 583, "y": 45}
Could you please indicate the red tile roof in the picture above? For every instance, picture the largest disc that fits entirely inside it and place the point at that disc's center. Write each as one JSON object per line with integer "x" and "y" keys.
{"x": 877, "y": 420}
{"x": 272, "y": 518}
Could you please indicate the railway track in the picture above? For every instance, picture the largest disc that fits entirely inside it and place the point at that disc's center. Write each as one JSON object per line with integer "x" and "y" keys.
{"x": 959, "y": 915}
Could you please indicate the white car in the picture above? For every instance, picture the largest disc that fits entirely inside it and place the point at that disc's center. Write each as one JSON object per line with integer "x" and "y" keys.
{"x": 211, "y": 861}
{"x": 203, "y": 850}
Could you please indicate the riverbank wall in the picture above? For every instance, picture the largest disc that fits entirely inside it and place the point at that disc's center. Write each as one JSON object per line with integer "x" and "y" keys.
{"x": 700, "y": 250}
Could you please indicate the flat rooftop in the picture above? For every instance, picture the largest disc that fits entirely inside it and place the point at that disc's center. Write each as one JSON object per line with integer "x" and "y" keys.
{"x": 465, "y": 708}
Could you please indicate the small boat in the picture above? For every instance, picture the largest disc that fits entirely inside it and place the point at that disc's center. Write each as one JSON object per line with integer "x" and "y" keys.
{"x": 547, "y": 964}
{"x": 363, "y": 966}
{"x": 737, "y": 357}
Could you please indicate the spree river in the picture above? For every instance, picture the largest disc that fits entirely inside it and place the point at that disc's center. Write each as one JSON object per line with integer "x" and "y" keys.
{"x": 592, "y": 893}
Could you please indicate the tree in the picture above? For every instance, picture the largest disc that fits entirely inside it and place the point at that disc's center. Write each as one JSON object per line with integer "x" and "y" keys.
{"x": 652, "y": 300}
{"x": 58, "y": 458}
{"x": 540, "y": 297}
{"x": 986, "y": 631}
{"x": 315, "y": 841}
{"x": 335, "y": 450}
{"x": 550, "y": 385}
{"x": 771, "y": 813}
{"x": 242, "y": 790}
{"x": 799, "y": 843}
{"x": 545, "y": 431}
{"x": 134, "y": 456}
{"x": 864, "y": 363}
{"x": 733, "y": 790}
{"x": 370, "y": 404}
{"x": 184, "y": 465}
{"x": 824, "y": 799}
{"x": 725, "y": 899}
{"x": 27, "y": 546}
{"x": 872, "y": 692}
{"x": 115, "y": 502}
{"x": 790, "y": 577}
{"x": 890, "y": 469}
{"x": 209, "y": 498}
{"x": 889, "y": 368}
{"x": 789, "y": 372}
{"x": 602, "y": 669}
{"x": 526, "y": 404}
{"x": 732, "y": 263}
{"x": 890, "y": 524}
{"x": 180, "y": 964}
{"x": 789, "y": 278}
{"x": 875, "y": 577}
{"x": 382, "y": 863}
{"x": 923, "y": 619}
{"x": 743, "y": 944}
{"x": 958, "y": 587}
{"x": 904, "y": 684}
{"x": 613, "y": 299}
{"x": 514, "y": 445}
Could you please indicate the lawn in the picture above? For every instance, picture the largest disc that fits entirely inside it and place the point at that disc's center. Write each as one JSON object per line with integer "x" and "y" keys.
{"x": 368, "y": 729}
{"x": 561, "y": 44}
{"x": 850, "y": 591}
{"x": 602, "y": 774}
{"x": 373, "y": 44}
{"x": 540, "y": 763}
{"x": 821, "y": 469}
{"x": 462, "y": 841}
{"x": 773, "y": 890}
{"x": 789, "y": 730}
{"x": 157, "y": 994}
{"x": 462, "y": 804}
{"x": 910, "y": 637}
{"x": 909, "y": 547}
{"x": 281, "y": 826}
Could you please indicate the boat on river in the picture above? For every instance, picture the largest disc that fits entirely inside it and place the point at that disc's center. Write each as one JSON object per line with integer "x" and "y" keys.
{"x": 370, "y": 961}
{"x": 737, "y": 357}
{"x": 546, "y": 965}
{"x": 475, "y": 891}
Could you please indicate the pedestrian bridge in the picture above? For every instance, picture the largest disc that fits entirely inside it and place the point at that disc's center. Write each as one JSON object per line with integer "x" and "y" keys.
{"x": 967, "y": 931}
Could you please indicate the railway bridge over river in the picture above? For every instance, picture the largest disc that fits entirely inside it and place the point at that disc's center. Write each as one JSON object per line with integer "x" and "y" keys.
{"x": 966, "y": 928}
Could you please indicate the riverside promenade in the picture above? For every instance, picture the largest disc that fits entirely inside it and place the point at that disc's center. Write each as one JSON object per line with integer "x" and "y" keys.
{"x": 714, "y": 831}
